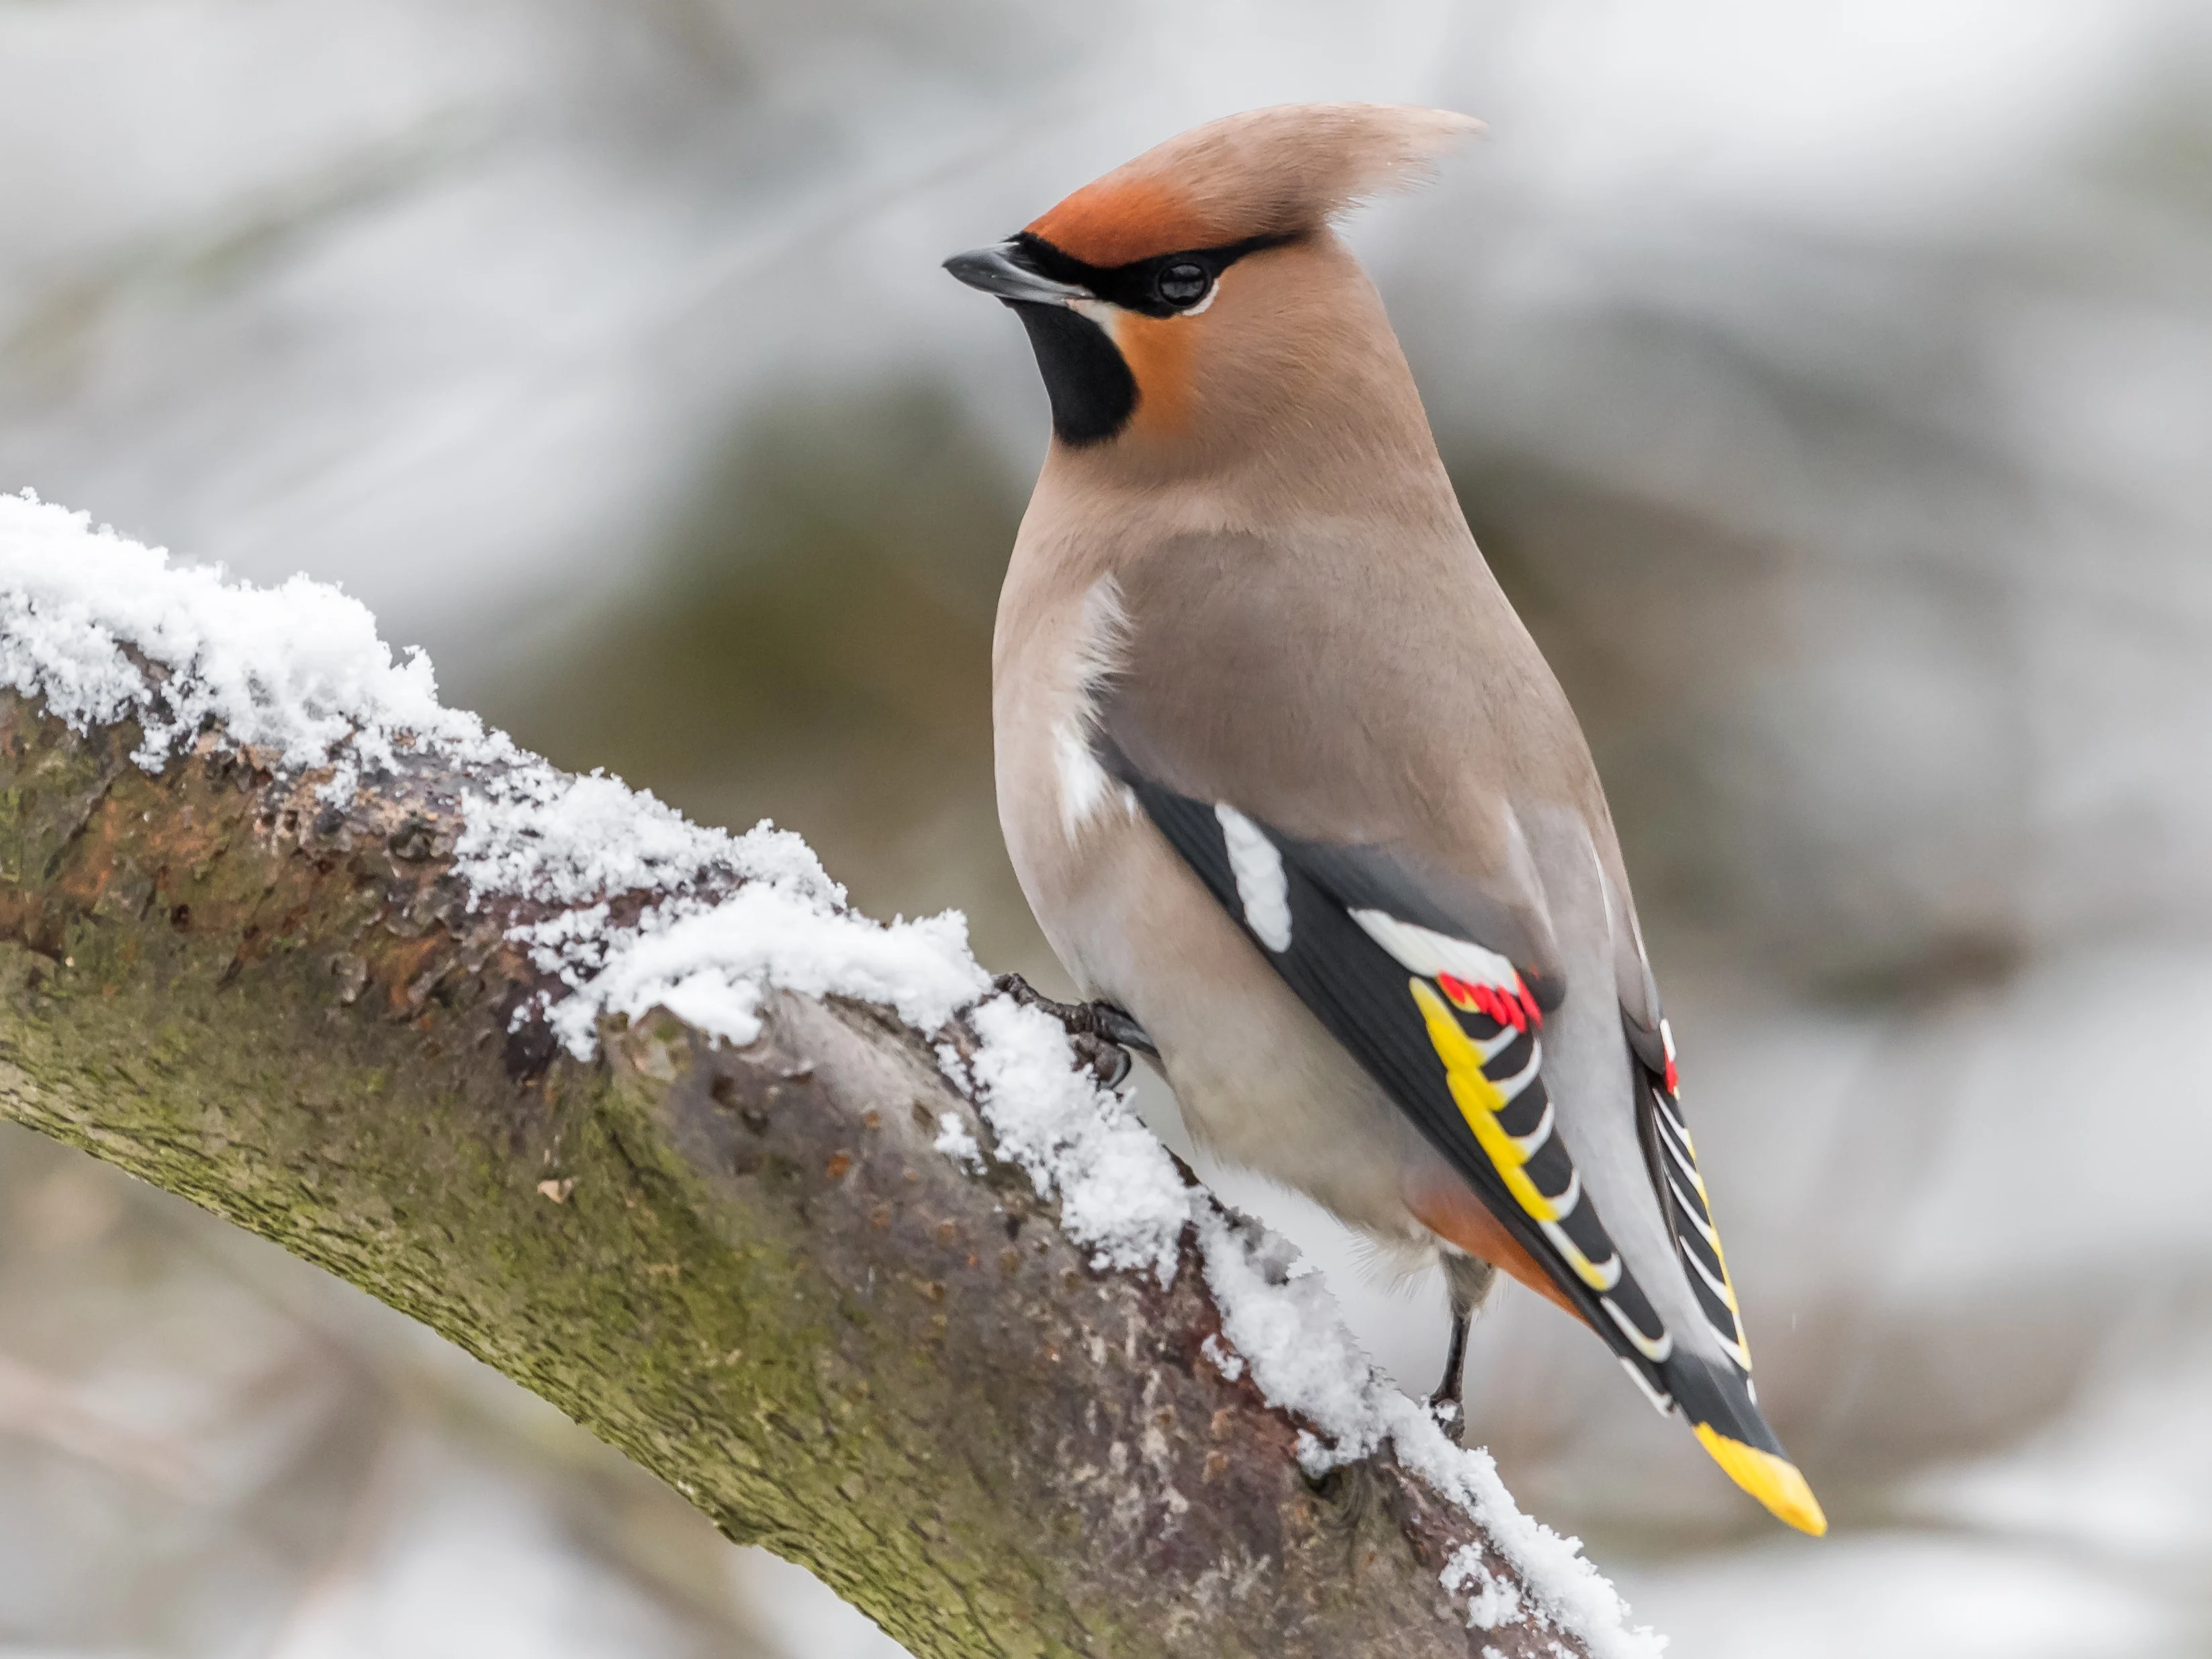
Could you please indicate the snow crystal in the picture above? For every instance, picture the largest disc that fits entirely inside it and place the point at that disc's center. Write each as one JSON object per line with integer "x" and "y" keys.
{"x": 1223, "y": 1358}
{"x": 565, "y": 839}
{"x": 955, "y": 1142}
{"x": 296, "y": 670}
{"x": 1567, "y": 1590}
{"x": 1495, "y": 1601}
{"x": 1119, "y": 1192}
{"x": 712, "y": 963}
{"x": 104, "y": 629}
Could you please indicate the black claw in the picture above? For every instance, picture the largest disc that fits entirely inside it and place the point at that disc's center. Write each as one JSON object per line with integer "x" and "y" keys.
{"x": 1103, "y": 1034}
{"x": 1112, "y": 1065}
{"x": 1115, "y": 1026}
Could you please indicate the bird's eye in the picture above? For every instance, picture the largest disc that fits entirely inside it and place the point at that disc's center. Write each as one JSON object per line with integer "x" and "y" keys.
{"x": 1183, "y": 283}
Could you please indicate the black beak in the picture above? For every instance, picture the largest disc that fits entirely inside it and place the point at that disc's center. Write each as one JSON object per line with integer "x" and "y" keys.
{"x": 997, "y": 270}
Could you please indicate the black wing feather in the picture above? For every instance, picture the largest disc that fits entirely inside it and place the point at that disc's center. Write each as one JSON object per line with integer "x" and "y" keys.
{"x": 1360, "y": 993}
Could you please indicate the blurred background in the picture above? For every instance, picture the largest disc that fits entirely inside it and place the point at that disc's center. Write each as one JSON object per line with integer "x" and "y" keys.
{"x": 1831, "y": 388}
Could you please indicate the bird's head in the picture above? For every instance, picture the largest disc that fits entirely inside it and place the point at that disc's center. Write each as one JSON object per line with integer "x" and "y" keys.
{"x": 1201, "y": 286}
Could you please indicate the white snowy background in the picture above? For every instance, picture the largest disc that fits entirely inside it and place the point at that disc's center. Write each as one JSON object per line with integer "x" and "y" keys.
{"x": 1831, "y": 387}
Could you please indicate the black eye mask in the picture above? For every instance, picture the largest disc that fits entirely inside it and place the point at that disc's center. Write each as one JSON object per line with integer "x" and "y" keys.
{"x": 1161, "y": 286}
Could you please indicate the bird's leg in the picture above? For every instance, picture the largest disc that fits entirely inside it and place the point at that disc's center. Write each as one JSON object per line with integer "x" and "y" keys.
{"x": 1103, "y": 1034}
{"x": 1467, "y": 1281}
{"x": 1444, "y": 1404}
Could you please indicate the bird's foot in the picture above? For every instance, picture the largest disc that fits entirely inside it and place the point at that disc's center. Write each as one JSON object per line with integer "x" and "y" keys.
{"x": 1448, "y": 1416}
{"x": 1103, "y": 1035}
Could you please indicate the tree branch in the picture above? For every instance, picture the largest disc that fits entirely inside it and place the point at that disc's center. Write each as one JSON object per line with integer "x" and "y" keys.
{"x": 749, "y": 1269}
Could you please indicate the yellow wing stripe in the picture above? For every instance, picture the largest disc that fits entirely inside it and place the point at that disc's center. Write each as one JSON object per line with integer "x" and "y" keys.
{"x": 1774, "y": 1481}
{"x": 1480, "y": 1101}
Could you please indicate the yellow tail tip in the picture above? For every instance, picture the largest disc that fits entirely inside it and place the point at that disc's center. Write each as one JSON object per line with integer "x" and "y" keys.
{"x": 1774, "y": 1481}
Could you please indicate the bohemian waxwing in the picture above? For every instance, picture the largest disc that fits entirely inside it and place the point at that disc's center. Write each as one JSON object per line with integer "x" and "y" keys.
{"x": 1292, "y": 791}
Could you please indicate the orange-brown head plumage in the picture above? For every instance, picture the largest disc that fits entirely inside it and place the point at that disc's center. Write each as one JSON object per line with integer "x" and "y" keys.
{"x": 1117, "y": 284}
{"x": 1275, "y": 173}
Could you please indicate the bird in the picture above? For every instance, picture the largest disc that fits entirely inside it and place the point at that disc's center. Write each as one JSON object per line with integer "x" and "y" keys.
{"x": 1292, "y": 791}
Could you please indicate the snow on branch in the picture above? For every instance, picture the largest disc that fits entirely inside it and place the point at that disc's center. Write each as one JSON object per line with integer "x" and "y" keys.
{"x": 583, "y": 913}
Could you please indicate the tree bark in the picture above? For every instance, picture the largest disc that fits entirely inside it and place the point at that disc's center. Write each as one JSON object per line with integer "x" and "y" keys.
{"x": 749, "y": 1270}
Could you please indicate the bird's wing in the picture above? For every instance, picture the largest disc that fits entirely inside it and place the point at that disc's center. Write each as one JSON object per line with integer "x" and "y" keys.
{"x": 1453, "y": 1032}
{"x": 1682, "y": 1197}
{"x": 1722, "y": 1403}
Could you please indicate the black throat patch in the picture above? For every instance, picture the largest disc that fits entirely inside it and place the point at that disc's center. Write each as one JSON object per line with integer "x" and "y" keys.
{"x": 1093, "y": 393}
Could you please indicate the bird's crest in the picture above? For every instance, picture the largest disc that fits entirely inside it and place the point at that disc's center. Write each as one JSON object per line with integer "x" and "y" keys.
{"x": 1269, "y": 172}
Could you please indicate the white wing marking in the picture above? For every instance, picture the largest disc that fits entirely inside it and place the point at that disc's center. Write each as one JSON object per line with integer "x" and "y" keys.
{"x": 1261, "y": 887}
{"x": 1719, "y": 1289}
{"x": 1711, "y": 1234}
{"x": 1535, "y": 1137}
{"x": 1657, "y": 1351}
{"x": 1510, "y": 1087}
{"x": 1661, "y": 1403}
{"x": 1429, "y": 952}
